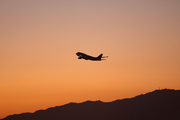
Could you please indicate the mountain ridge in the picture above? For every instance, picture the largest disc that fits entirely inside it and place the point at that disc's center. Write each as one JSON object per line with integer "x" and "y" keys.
{"x": 158, "y": 104}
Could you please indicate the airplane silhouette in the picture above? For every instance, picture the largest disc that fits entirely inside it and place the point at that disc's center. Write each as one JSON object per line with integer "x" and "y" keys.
{"x": 88, "y": 57}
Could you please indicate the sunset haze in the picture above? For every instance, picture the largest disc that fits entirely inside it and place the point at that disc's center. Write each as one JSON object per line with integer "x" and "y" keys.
{"x": 39, "y": 41}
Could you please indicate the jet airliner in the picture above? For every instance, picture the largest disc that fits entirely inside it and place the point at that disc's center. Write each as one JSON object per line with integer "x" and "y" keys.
{"x": 88, "y": 57}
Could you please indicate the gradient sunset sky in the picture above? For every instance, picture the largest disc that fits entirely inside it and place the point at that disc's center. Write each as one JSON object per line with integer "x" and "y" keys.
{"x": 39, "y": 40}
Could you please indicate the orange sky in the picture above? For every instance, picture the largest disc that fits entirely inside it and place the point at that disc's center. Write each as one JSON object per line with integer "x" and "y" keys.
{"x": 39, "y": 39}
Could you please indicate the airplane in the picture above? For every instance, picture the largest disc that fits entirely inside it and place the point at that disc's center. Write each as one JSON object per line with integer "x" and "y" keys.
{"x": 88, "y": 57}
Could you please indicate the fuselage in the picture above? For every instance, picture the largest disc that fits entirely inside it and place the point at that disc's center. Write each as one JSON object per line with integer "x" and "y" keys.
{"x": 87, "y": 57}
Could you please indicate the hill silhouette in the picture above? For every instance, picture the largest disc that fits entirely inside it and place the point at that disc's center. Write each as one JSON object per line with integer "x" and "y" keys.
{"x": 157, "y": 105}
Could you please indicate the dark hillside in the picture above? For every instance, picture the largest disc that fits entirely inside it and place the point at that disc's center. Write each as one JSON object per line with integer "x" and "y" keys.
{"x": 156, "y": 105}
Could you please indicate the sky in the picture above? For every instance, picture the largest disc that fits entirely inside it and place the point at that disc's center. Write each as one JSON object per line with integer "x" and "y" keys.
{"x": 39, "y": 40}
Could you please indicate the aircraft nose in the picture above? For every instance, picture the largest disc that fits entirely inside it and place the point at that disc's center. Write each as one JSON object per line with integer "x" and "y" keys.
{"x": 77, "y": 53}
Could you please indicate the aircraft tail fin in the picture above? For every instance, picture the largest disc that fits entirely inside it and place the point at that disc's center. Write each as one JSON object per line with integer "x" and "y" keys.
{"x": 100, "y": 56}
